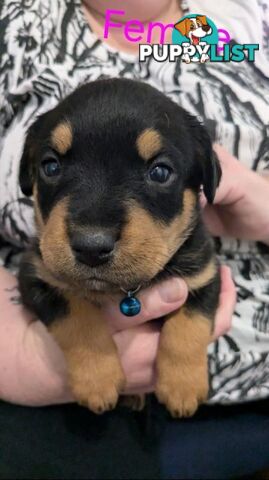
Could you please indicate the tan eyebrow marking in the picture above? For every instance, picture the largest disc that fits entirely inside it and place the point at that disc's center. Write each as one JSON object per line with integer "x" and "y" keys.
{"x": 149, "y": 143}
{"x": 62, "y": 137}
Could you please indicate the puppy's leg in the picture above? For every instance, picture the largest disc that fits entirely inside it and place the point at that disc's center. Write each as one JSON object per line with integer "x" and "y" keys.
{"x": 95, "y": 374}
{"x": 182, "y": 370}
{"x": 182, "y": 376}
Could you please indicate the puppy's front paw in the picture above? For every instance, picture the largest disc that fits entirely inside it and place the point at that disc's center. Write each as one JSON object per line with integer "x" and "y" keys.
{"x": 98, "y": 400}
{"x": 182, "y": 395}
{"x": 97, "y": 390}
{"x": 182, "y": 381}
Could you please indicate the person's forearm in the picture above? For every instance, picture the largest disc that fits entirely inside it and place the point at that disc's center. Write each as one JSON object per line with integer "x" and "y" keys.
{"x": 31, "y": 369}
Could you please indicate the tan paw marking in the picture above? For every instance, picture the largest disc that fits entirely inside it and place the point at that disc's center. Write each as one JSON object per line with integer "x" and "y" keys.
{"x": 182, "y": 373}
{"x": 183, "y": 394}
{"x": 98, "y": 394}
{"x": 96, "y": 377}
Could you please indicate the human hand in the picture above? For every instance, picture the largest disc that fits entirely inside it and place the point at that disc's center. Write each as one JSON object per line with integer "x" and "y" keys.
{"x": 239, "y": 208}
{"x": 32, "y": 366}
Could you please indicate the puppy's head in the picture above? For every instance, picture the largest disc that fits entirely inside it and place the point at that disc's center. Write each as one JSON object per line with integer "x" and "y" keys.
{"x": 115, "y": 170}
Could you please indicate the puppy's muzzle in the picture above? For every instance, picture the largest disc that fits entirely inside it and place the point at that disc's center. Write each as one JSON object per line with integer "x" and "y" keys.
{"x": 93, "y": 249}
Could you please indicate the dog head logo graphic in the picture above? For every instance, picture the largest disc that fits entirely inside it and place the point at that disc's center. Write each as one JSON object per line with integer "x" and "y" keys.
{"x": 195, "y": 28}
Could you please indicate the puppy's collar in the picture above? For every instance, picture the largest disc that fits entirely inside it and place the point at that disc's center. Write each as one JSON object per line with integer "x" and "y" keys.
{"x": 130, "y": 293}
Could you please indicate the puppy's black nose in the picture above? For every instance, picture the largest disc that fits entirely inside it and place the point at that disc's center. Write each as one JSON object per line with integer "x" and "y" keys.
{"x": 206, "y": 28}
{"x": 93, "y": 249}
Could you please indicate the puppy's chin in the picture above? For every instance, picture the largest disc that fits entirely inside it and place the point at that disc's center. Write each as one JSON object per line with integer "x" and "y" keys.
{"x": 83, "y": 281}
{"x": 97, "y": 285}
{"x": 67, "y": 274}
{"x": 111, "y": 285}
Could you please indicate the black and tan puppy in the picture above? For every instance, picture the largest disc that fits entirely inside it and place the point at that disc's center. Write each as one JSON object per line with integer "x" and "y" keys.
{"x": 115, "y": 171}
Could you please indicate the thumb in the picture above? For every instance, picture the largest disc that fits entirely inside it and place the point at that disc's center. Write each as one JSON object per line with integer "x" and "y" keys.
{"x": 156, "y": 302}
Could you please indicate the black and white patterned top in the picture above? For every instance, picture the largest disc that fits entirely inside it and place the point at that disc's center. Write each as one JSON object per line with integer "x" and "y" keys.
{"x": 47, "y": 49}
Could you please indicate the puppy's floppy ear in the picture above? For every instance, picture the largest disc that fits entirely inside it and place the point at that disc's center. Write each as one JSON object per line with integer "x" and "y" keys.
{"x": 27, "y": 166}
{"x": 208, "y": 161}
{"x": 202, "y": 19}
{"x": 212, "y": 176}
{"x": 183, "y": 26}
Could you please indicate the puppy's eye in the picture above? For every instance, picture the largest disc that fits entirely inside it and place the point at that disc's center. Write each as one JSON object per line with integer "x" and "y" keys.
{"x": 51, "y": 167}
{"x": 160, "y": 173}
